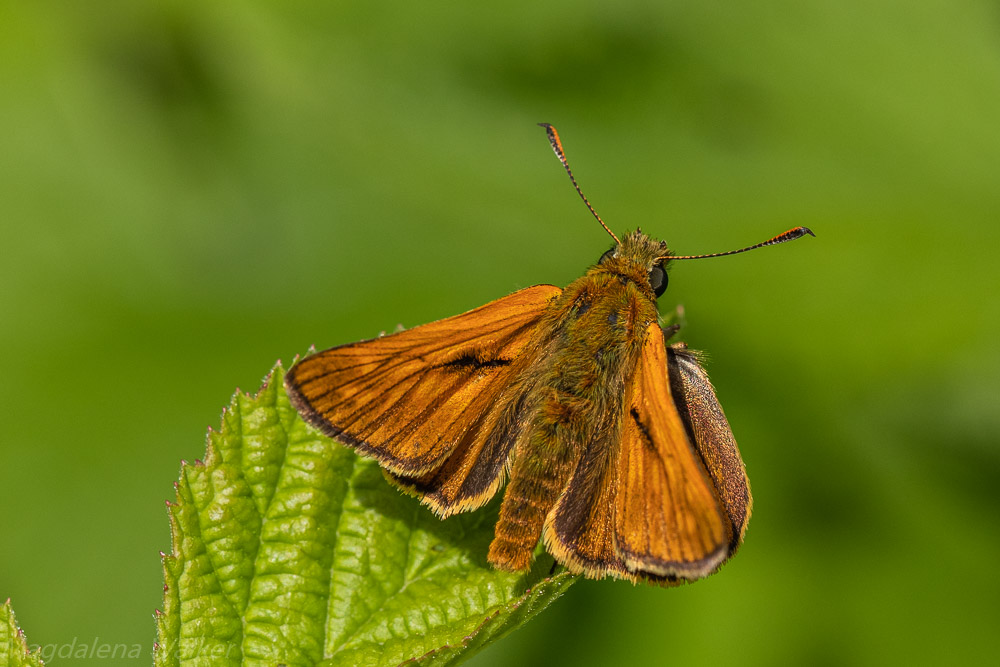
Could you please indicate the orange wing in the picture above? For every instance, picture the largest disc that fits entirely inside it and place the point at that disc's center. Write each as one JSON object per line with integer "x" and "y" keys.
{"x": 669, "y": 520}
{"x": 642, "y": 505}
{"x": 410, "y": 399}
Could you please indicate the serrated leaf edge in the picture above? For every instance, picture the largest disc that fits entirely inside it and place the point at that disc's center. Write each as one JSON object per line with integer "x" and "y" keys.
{"x": 20, "y": 637}
{"x": 510, "y": 607}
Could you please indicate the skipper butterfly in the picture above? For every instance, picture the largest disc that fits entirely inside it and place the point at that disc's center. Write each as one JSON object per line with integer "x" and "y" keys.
{"x": 611, "y": 441}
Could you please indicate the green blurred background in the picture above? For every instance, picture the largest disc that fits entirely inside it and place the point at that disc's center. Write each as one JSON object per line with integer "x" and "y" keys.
{"x": 190, "y": 191}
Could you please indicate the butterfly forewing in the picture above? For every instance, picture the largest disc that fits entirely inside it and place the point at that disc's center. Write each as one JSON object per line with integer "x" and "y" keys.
{"x": 409, "y": 399}
{"x": 669, "y": 520}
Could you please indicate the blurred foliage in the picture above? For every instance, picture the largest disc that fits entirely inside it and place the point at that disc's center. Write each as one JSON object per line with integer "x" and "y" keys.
{"x": 379, "y": 164}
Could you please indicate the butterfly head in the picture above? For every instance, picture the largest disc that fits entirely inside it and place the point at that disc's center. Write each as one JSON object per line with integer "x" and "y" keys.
{"x": 640, "y": 259}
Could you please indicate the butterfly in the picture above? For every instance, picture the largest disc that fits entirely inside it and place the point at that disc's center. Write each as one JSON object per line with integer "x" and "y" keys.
{"x": 611, "y": 441}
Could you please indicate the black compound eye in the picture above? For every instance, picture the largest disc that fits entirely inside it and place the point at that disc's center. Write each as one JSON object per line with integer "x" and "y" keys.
{"x": 607, "y": 255}
{"x": 658, "y": 280}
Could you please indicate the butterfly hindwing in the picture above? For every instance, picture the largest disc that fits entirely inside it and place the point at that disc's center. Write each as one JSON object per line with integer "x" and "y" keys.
{"x": 411, "y": 398}
{"x": 477, "y": 466}
{"x": 579, "y": 531}
{"x": 696, "y": 401}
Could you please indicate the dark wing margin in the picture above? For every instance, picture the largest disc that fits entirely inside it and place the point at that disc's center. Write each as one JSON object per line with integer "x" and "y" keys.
{"x": 416, "y": 399}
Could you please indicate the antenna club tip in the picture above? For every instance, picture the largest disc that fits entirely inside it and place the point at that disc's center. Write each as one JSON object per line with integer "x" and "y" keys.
{"x": 550, "y": 130}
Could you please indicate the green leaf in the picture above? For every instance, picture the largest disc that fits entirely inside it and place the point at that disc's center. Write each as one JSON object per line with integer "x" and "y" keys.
{"x": 289, "y": 548}
{"x": 13, "y": 646}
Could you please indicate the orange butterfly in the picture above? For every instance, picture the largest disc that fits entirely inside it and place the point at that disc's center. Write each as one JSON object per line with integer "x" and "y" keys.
{"x": 613, "y": 444}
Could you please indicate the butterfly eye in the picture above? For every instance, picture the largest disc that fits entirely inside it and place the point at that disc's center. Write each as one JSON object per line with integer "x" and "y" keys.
{"x": 658, "y": 280}
{"x": 608, "y": 255}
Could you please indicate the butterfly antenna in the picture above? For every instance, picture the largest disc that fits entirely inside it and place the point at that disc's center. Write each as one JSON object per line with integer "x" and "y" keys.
{"x": 557, "y": 147}
{"x": 790, "y": 235}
